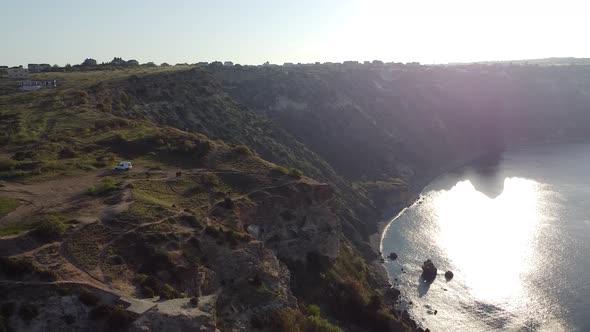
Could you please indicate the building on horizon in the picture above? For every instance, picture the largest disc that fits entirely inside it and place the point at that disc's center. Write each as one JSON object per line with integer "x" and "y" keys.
{"x": 37, "y": 68}
{"x": 17, "y": 72}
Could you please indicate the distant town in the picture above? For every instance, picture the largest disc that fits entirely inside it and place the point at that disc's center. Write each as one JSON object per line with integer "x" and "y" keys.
{"x": 20, "y": 72}
{"x": 22, "y": 75}
{"x": 24, "y": 82}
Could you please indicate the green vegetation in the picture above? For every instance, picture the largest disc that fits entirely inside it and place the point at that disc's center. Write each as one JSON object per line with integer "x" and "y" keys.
{"x": 292, "y": 320}
{"x": 50, "y": 228}
{"x": 151, "y": 286}
{"x": 7, "y": 205}
{"x": 280, "y": 170}
{"x": 20, "y": 268}
{"x": 295, "y": 173}
{"x": 15, "y": 228}
{"x": 107, "y": 185}
{"x": 84, "y": 244}
{"x": 313, "y": 310}
{"x": 243, "y": 150}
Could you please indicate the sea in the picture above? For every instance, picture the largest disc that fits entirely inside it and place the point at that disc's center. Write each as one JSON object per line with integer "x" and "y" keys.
{"x": 514, "y": 228}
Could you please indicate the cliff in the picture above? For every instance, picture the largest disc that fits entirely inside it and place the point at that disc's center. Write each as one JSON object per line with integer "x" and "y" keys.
{"x": 256, "y": 189}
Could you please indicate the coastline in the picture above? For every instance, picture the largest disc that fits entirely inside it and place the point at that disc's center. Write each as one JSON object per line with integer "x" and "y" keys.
{"x": 418, "y": 186}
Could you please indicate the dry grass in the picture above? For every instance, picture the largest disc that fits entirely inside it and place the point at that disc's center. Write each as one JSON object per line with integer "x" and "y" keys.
{"x": 86, "y": 244}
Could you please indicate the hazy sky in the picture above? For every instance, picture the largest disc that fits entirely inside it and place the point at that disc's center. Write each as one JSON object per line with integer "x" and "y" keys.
{"x": 251, "y": 32}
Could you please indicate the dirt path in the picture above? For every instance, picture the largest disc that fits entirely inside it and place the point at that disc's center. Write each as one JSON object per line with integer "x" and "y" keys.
{"x": 60, "y": 194}
{"x": 64, "y": 194}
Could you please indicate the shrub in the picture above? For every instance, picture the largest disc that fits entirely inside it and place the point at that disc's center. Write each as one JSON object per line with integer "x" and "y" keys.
{"x": 147, "y": 292}
{"x": 67, "y": 152}
{"x": 318, "y": 324}
{"x": 211, "y": 179}
{"x": 280, "y": 170}
{"x": 51, "y": 228}
{"x": 243, "y": 150}
{"x": 99, "y": 312}
{"x": 286, "y": 319}
{"x": 7, "y": 164}
{"x": 228, "y": 203}
{"x": 295, "y": 173}
{"x": 119, "y": 319}
{"x": 313, "y": 310}
{"x": 195, "y": 301}
{"x": 169, "y": 292}
{"x": 28, "y": 311}
{"x": 107, "y": 185}
{"x": 89, "y": 299}
{"x": 140, "y": 278}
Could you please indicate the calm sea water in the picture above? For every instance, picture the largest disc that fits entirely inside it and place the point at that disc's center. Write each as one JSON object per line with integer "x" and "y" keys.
{"x": 515, "y": 231}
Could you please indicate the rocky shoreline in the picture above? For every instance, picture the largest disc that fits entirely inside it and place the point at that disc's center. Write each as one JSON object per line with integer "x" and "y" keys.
{"x": 376, "y": 240}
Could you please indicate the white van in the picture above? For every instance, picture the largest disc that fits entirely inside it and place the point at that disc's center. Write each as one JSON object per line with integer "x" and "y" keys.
{"x": 124, "y": 166}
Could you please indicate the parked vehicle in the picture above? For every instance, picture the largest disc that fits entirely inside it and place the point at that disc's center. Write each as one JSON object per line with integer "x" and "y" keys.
{"x": 124, "y": 166}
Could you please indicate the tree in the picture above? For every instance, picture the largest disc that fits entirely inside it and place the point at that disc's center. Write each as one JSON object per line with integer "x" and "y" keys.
{"x": 89, "y": 62}
{"x": 164, "y": 64}
{"x": 150, "y": 64}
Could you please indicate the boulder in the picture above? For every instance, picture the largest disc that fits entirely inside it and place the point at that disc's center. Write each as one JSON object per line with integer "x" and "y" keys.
{"x": 449, "y": 275}
{"x": 392, "y": 294}
{"x": 392, "y": 256}
{"x": 429, "y": 271}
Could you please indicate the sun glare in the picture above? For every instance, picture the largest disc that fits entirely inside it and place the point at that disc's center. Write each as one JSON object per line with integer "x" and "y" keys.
{"x": 489, "y": 240}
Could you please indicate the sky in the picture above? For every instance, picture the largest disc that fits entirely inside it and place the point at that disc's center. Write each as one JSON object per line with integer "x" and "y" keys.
{"x": 255, "y": 31}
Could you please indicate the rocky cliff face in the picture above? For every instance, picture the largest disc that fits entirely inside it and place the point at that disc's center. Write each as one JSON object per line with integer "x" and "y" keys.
{"x": 297, "y": 221}
{"x": 410, "y": 120}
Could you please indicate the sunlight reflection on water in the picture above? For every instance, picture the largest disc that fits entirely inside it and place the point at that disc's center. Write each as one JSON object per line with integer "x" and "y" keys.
{"x": 491, "y": 246}
{"x": 505, "y": 225}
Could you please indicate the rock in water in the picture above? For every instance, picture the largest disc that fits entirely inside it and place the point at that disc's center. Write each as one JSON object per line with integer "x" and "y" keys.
{"x": 449, "y": 275}
{"x": 392, "y": 256}
{"x": 429, "y": 271}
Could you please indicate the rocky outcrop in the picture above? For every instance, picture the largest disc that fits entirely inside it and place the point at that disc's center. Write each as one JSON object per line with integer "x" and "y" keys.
{"x": 179, "y": 315}
{"x": 253, "y": 281}
{"x": 429, "y": 271}
{"x": 296, "y": 220}
{"x": 449, "y": 275}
